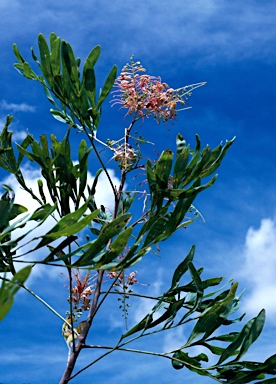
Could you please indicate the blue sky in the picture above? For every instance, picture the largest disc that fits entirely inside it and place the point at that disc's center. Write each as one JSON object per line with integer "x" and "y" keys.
{"x": 231, "y": 45}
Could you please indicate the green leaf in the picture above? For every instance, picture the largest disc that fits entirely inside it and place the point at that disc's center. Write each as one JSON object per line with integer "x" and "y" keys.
{"x": 182, "y": 268}
{"x": 116, "y": 248}
{"x": 69, "y": 225}
{"x": 230, "y": 337}
{"x": 50, "y": 98}
{"x": 9, "y": 289}
{"x": 163, "y": 167}
{"x": 58, "y": 251}
{"x": 9, "y": 210}
{"x": 83, "y": 166}
{"x": 107, "y": 86}
{"x": 182, "y": 359}
{"x": 214, "y": 349}
{"x": 139, "y": 327}
{"x": 93, "y": 189}
{"x": 71, "y": 65}
{"x": 24, "y": 144}
{"x": 43, "y": 212}
{"x": 5, "y": 306}
{"x": 209, "y": 321}
{"x": 94, "y": 55}
{"x": 89, "y": 81}
{"x": 182, "y": 207}
{"x": 126, "y": 200}
{"x": 157, "y": 231}
{"x": 269, "y": 366}
{"x": 198, "y": 284}
{"x": 180, "y": 166}
{"x": 45, "y": 59}
{"x": 27, "y": 70}
{"x": 254, "y": 331}
{"x": 17, "y": 54}
{"x": 151, "y": 177}
{"x": 18, "y": 279}
{"x": 209, "y": 169}
{"x": 55, "y": 54}
{"x": 107, "y": 233}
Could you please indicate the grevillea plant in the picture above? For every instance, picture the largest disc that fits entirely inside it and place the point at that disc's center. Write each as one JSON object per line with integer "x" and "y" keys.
{"x": 100, "y": 247}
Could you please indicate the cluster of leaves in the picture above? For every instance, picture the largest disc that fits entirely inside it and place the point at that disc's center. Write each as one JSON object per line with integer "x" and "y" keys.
{"x": 182, "y": 304}
{"x": 61, "y": 78}
{"x": 174, "y": 181}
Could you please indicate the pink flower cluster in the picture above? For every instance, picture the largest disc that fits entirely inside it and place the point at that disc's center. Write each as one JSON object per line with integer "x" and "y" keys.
{"x": 125, "y": 155}
{"x": 81, "y": 290}
{"x": 145, "y": 95}
{"x": 130, "y": 280}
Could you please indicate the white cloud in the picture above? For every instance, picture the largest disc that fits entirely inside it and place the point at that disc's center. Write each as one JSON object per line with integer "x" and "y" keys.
{"x": 23, "y": 107}
{"x": 259, "y": 269}
{"x": 104, "y": 195}
{"x": 18, "y": 136}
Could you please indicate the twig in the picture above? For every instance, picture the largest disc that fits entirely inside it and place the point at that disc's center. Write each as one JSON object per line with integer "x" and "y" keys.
{"x": 83, "y": 335}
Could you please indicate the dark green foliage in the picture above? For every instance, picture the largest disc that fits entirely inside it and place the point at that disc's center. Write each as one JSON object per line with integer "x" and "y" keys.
{"x": 61, "y": 78}
{"x": 9, "y": 288}
{"x": 209, "y": 312}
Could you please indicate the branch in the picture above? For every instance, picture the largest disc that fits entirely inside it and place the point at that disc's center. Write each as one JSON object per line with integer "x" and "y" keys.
{"x": 46, "y": 304}
{"x": 91, "y": 139}
{"x": 139, "y": 351}
{"x": 82, "y": 337}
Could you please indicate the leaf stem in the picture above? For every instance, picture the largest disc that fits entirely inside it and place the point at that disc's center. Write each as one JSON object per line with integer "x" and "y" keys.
{"x": 46, "y": 304}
